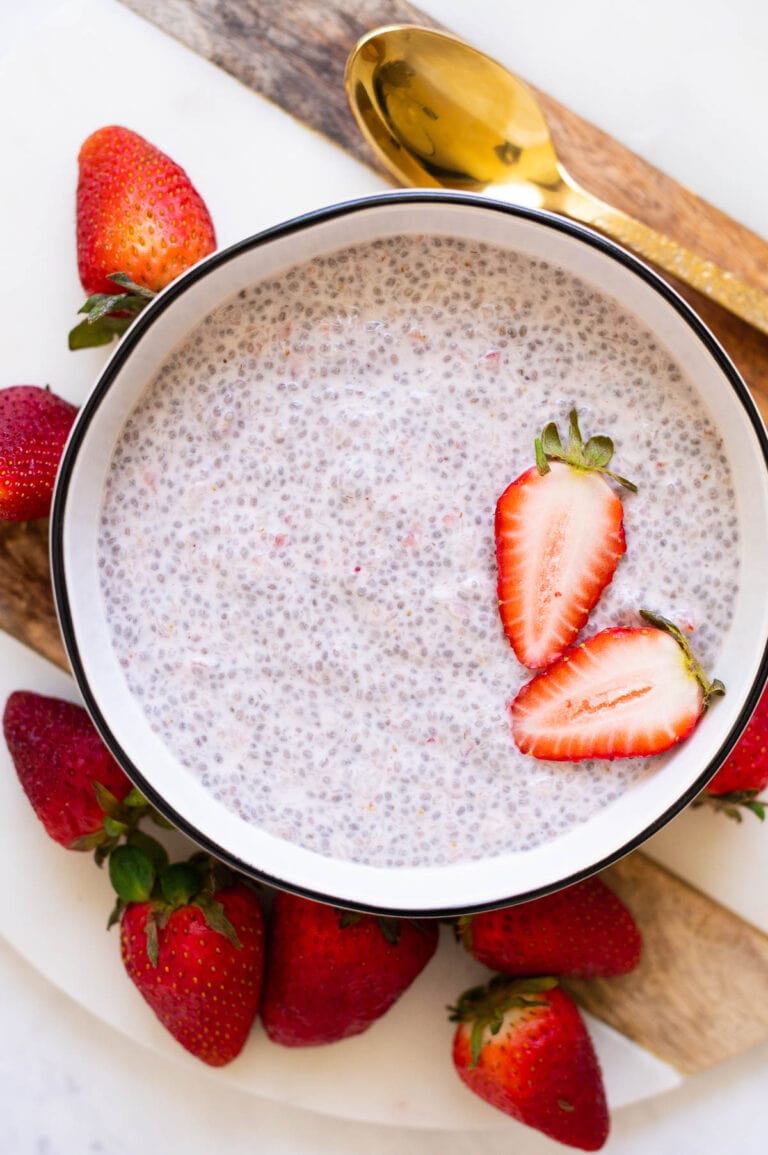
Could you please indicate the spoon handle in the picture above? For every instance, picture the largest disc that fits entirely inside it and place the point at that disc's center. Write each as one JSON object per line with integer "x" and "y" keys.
{"x": 744, "y": 300}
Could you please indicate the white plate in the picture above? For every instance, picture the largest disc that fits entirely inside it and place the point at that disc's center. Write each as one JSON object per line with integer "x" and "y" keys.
{"x": 60, "y": 897}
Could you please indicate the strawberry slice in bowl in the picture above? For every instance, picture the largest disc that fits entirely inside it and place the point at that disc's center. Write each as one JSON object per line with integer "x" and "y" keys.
{"x": 559, "y": 537}
{"x": 623, "y": 693}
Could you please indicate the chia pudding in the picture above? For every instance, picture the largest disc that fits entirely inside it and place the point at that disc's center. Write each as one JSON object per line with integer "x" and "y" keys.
{"x": 296, "y": 544}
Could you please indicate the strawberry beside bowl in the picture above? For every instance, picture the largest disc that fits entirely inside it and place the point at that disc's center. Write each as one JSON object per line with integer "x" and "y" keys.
{"x": 273, "y": 547}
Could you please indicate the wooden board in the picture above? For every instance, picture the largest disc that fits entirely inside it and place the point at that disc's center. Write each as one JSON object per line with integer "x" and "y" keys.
{"x": 699, "y": 994}
{"x": 679, "y": 1003}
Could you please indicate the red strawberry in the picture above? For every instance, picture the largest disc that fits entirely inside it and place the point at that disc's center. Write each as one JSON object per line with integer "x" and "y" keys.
{"x": 559, "y": 538}
{"x": 138, "y": 217}
{"x": 744, "y": 774}
{"x": 194, "y": 949}
{"x": 34, "y": 425}
{"x": 584, "y": 931}
{"x": 623, "y": 693}
{"x": 522, "y": 1047}
{"x": 67, "y": 773}
{"x": 331, "y": 974}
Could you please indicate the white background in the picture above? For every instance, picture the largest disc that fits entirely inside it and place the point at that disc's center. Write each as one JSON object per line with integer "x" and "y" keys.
{"x": 685, "y": 85}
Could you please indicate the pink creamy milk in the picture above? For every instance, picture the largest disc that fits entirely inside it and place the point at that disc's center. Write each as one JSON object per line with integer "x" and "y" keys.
{"x": 297, "y": 551}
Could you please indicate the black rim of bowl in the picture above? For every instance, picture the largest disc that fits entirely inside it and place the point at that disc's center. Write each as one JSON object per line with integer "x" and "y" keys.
{"x": 124, "y": 350}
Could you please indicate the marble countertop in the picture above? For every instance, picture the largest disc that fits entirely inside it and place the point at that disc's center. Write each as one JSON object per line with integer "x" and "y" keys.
{"x": 684, "y": 86}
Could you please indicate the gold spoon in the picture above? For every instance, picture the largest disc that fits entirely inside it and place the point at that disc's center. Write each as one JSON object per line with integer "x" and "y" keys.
{"x": 439, "y": 113}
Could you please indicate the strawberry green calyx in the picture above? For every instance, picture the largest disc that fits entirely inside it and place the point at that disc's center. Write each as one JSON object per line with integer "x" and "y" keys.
{"x": 485, "y": 1006}
{"x": 132, "y": 873}
{"x": 389, "y": 927}
{"x": 734, "y": 803}
{"x": 108, "y": 315}
{"x": 140, "y": 873}
{"x": 462, "y": 929}
{"x": 594, "y": 455}
{"x": 121, "y": 821}
{"x": 713, "y": 689}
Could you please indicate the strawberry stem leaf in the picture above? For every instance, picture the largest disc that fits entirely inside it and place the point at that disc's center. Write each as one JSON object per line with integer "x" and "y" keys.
{"x": 104, "y": 304}
{"x": 390, "y": 929}
{"x": 179, "y": 883}
{"x": 115, "y": 913}
{"x": 713, "y": 689}
{"x": 541, "y": 458}
{"x": 348, "y": 918}
{"x": 101, "y": 332}
{"x": 103, "y": 851}
{"x": 463, "y": 931}
{"x": 216, "y": 874}
{"x": 575, "y": 442}
{"x": 550, "y": 441}
{"x": 108, "y": 315}
{"x": 153, "y": 941}
{"x": 88, "y": 841}
{"x": 594, "y": 456}
{"x": 485, "y": 1006}
{"x": 157, "y": 853}
{"x": 216, "y": 918}
{"x": 125, "y": 282}
{"x": 135, "y": 798}
{"x": 114, "y": 827}
{"x": 132, "y": 873}
{"x": 733, "y": 803}
{"x": 159, "y": 820}
{"x": 106, "y": 800}
{"x": 598, "y": 451}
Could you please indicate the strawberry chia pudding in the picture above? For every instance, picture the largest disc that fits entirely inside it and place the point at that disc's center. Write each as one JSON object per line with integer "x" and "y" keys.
{"x": 296, "y": 545}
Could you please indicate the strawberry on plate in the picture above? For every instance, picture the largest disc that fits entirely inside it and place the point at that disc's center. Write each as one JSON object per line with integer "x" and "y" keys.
{"x": 522, "y": 1046}
{"x": 140, "y": 222}
{"x": 34, "y": 426}
{"x": 744, "y": 774}
{"x": 623, "y": 693}
{"x": 76, "y": 788}
{"x": 583, "y": 931}
{"x": 331, "y": 974}
{"x": 559, "y": 537}
{"x": 192, "y": 942}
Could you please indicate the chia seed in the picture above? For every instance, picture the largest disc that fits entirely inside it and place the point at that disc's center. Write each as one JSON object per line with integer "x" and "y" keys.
{"x": 297, "y": 553}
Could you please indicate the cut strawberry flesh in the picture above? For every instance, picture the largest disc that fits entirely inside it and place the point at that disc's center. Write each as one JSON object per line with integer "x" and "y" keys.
{"x": 623, "y": 693}
{"x": 559, "y": 537}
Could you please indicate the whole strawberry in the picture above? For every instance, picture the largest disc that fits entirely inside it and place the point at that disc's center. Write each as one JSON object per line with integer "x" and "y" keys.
{"x": 192, "y": 942}
{"x": 76, "y": 788}
{"x": 584, "y": 931}
{"x": 744, "y": 774}
{"x": 522, "y": 1047}
{"x": 140, "y": 223}
{"x": 559, "y": 537}
{"x": 34, "y": 425}
{"x": 331, "y": 974}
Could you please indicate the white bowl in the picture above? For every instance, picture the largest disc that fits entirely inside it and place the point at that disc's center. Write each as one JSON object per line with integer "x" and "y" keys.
{"x": 742, "y": 661}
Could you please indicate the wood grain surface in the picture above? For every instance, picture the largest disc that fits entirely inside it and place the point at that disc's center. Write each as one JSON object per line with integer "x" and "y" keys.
{"x": 701, "y": 993}
{"x": 294, "y": 54}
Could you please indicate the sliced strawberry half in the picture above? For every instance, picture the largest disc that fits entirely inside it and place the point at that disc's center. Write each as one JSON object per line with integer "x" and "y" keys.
{"x": 559, "y": 537}
{"x": 623, "y": 693}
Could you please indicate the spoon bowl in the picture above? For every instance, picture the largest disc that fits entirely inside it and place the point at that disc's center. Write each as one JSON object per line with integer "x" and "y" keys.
{"x": 441, "y": 114}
